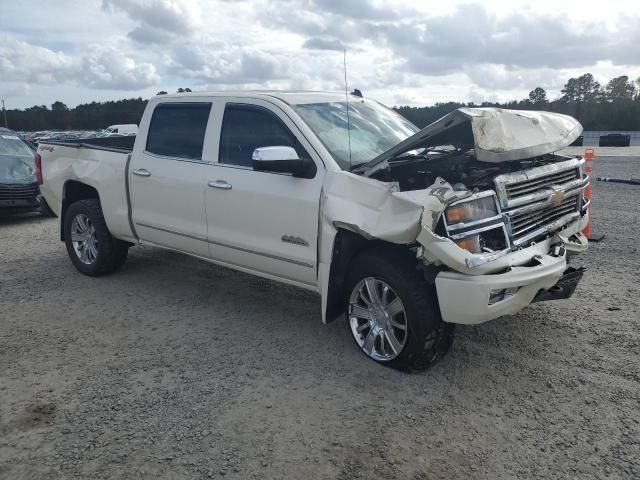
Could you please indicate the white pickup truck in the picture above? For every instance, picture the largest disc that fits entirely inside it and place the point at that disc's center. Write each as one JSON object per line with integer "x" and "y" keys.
{"x": 404, "y": 231}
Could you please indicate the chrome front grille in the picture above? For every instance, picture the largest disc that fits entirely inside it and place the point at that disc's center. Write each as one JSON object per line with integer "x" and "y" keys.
{"x": 541, "y": 201}
{"x": 526, "y": 187}
{"x": 528, "y": 226}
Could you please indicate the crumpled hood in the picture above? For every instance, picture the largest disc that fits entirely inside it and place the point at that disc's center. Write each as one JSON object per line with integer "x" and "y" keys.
{"x": 498, "y": 135}
{"x": 16, "y": 169}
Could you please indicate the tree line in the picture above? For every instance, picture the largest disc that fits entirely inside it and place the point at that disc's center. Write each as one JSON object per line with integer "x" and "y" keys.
{"x": 614, "y": 106}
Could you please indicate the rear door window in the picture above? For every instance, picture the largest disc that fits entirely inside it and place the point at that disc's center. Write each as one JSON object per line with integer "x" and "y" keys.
{"x": 177, "y": 130}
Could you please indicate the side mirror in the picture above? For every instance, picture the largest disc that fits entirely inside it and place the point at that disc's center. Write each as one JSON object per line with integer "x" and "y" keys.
{"x": 282, "y": 160}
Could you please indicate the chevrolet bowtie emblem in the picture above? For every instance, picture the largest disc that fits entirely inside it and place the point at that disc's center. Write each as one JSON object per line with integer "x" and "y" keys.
{"x": 557, "y": 197}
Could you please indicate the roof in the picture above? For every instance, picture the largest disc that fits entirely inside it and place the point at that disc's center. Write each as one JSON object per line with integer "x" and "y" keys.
{"x": 289, "y": 96}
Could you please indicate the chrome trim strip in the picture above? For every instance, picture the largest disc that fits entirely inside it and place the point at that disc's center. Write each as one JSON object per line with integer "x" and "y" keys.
{"x": 462, "y": 225}
{"x": 477, "y": 230}
{"x": 263, "y": 254}
{"x": 177, "y": 159}
{"x": 234, "y": 247}
{"x": 174, "y": 232}
{"x": 480, "y": 259}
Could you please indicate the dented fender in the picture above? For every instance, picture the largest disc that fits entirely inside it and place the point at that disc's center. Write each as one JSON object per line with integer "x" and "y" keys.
{"x": 378, "y": 210}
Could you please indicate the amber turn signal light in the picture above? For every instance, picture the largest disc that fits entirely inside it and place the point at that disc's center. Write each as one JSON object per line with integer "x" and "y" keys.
{"x": 459, "y": 213}
{"x": 471, "y": 244}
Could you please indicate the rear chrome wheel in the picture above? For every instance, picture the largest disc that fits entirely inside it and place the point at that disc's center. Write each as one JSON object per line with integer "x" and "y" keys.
{"x": 91, "y": 248}
{"x": 83, "y": 238}
{"x": 377, "y": 319}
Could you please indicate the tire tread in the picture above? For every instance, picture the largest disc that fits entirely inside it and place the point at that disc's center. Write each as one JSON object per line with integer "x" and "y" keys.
{"x": 112, "y": 252}
{"x": 429, "y": 336}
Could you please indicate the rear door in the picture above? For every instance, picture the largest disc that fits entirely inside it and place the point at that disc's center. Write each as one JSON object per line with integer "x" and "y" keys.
{"x": 261, "y": 221}
{"x": 168, "y": 177}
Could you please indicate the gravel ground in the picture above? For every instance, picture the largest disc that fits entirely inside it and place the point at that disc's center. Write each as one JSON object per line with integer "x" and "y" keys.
{"x": 175, "y": 368}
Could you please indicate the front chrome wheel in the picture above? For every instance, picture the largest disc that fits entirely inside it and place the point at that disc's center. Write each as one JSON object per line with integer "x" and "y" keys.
{"x": 377, "y": 319}
{"x": 83, "y": 238}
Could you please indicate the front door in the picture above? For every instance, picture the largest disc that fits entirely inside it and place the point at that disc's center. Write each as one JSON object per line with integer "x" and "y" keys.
{"x": 259, "y": 221}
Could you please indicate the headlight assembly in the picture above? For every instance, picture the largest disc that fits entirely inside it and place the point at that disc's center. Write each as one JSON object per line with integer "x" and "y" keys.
{"x": 476, "y": 225}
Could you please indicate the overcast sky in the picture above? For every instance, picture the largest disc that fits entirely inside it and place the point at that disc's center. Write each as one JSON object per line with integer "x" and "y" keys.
{"x": 400, "y": 52}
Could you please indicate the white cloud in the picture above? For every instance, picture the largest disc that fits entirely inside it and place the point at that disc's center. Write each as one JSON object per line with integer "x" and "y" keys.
{"x": 98, "y": 67}
{"x": 398, "y": 50}
{"x": 159, "y": 21}
{"x": 110, "y": 69}
{"x": 22, "y": 62}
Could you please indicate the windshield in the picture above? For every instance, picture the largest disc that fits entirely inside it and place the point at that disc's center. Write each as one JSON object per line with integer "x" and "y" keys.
{"x": 12, "y": 145}
{"x": 374, "y": 129}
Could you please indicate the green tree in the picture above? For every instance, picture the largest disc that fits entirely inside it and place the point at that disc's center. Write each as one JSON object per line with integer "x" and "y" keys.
{"x": 58, "y": 106}
{"x": 570, "y": 91}
{"x": 620, "y": 88}
{"x": 538, "y": 96}
{"x": 582, "y": 89}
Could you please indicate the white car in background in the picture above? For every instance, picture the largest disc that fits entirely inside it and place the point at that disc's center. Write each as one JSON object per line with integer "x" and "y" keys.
{"x": 123, "y": 129}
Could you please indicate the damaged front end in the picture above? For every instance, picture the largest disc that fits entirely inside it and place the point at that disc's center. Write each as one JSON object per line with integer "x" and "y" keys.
{"x": 500, "y": 210}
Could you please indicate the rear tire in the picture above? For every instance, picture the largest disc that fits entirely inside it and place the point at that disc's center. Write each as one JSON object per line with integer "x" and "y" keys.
{"x": 404, "y": 315}
{"x": 91, "y": 248}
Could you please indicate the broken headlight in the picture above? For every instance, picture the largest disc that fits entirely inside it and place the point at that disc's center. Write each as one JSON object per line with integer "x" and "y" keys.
{"x": 475, "y": 223}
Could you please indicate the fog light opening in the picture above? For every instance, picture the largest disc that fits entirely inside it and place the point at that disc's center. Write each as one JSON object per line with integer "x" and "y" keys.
{"x": 501, "y": 295}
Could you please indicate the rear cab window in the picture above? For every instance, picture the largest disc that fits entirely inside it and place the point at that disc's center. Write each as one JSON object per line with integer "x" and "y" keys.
{"x": 177, "y": 130}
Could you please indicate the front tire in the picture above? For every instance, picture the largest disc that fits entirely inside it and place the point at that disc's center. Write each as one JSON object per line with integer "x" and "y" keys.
{"x": 392, "y": 312}
{"x": 91, "y": 248}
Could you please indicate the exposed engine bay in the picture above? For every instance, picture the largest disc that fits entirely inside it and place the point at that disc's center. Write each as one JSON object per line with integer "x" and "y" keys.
{"x": 456, "y": 165}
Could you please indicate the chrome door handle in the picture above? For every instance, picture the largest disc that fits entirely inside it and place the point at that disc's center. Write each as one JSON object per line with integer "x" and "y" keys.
{"x": 220, "y": 184}
{"x": 142, "y": 172}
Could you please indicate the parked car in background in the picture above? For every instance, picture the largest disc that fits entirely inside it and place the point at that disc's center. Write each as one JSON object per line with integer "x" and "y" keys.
{"x": 19, "y": 192}
{"x": 615, "y": 140}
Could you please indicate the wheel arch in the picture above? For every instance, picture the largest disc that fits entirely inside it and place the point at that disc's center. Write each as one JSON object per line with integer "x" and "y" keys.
{"x": 72, "y": 192}
{"x": 346, "y": 246}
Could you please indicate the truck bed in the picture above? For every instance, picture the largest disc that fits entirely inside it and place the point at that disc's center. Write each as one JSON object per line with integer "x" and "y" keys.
{"x": 120, "y": 144}
{"x": 98, "y": 163}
